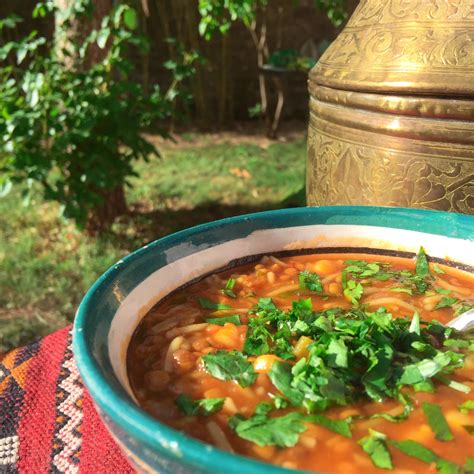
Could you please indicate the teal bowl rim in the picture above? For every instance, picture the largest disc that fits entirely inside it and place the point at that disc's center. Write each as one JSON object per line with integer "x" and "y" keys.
{"x": 141, "y": 426}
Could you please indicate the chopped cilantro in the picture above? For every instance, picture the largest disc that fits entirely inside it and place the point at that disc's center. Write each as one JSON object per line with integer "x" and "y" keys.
{"x": 437, "y": 422}
{"x": 375, "y": 446}
{"x": 232, "y": 365}
{"x": 208, "y": 304}
{"x": 460, "y": 387}
{"x": 228, "y": 289}
{"x": 444, "y": 466}
{"x": 281, "y": 377}
{"x": 415, "y": 324}
{"x": 438, "y": 269}
{"x": 341, "y": 427}
{"x": 442, "y": 291}
{"x": 466, "y": 406}
{"x": 354, "y": 353}
{"x": 415, "y": 450}
{"x": 361, "y": 269}
{"x": 282, "y": 431}
{"x": 422, "y": 271}
{"x": 234, "y": 319}
{"x": 460, "y": 308}
{"x": 446, "y": 303}
{"x": 353, "y": 291}
{"x": 310, "y": 281}
{"x": 205, "y": 407}
{"x": 469, "y": 465}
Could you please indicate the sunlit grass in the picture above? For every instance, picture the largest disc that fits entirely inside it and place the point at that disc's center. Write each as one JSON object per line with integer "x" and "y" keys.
{"x": 46, "y": 265}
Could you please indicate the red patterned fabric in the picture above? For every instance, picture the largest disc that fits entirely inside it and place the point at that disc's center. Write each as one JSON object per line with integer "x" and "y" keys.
{"x": 47, "y": 420}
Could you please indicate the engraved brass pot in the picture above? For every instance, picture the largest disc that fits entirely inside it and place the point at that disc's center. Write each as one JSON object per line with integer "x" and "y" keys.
{"x": 392, "y": 108}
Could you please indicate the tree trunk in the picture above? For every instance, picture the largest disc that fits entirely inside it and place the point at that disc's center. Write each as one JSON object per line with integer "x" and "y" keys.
{"x": 103, "y": 215}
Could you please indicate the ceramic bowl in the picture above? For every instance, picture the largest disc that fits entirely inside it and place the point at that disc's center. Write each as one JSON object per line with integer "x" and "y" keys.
{"x": 114, "y": 305}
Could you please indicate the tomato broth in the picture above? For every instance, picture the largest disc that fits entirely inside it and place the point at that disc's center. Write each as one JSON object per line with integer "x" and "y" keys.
{"x": 336, "y": 363}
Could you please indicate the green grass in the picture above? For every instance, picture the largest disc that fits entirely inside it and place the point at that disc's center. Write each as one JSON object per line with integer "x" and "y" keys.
{"x": 46, "y": 265}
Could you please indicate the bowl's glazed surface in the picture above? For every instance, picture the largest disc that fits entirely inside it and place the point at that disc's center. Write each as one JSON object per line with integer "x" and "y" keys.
{"x": 115, "y": 304}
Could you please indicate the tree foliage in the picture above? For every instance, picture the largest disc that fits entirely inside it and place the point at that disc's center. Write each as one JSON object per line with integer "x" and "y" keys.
{"x": 73, "y": 127}
{"x": 218, "y": 15}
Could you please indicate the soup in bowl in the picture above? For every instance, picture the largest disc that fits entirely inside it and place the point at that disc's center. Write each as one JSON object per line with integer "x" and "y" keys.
{"x": 308, "y": 339}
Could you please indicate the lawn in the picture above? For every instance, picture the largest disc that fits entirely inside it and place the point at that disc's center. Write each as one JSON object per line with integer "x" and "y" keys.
{"x": 46, "y": 265}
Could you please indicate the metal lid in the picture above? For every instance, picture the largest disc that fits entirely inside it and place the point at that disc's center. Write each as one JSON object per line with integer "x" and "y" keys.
{"x": 407, "y": 47}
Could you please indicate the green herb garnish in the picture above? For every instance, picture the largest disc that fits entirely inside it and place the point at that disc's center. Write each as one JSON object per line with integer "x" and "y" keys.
{"x": 229, "y": 286}
{"x": 376, "y": 447}
{"x": 422, "y": 271}
{"x": 415, "y": 450}
{"x": 355, "y": 353}
{"x": 310, "y": 281}
{"x": 234, "y": 319}
{"x": 208, "y": 304}
{"x": 205, "y": 407}
{"x": 353, "y": 291}
{"x": 437, "y": 422}
{"x": 446, "y": 303}
{"x": 230, "y": 365}
{"x": 438, "y": 269}
{"x": 469, "y": 465}
{"x": 281, "y": 431}
{"x": 466, "y": 406}
{"x": 281, "y": 376}
{"x": 418, "y": 451}
{"x": 341, "y": 427}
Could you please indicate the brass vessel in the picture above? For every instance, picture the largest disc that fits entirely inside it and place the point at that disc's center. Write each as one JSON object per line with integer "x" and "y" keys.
{"x": 392, "y": 108}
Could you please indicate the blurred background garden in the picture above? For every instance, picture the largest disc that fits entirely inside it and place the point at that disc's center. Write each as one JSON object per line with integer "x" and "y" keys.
{"x": 123, "y": 121}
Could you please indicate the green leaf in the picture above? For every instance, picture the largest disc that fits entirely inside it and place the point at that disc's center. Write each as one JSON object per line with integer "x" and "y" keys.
{"x": 437, "y": 269}
{"x": 205, "y": 407}
{"x": 208, "y": 304}
{"x": 415, "y": 324}
{"x": 446, "y": 303}
{"x": 130, "y": 18}
{"x": 229, "y": 286}
{"x": 469, "y": 465}
{"x": 281, "y": 377}
{"x": 341, "y": 427}
{"x": 234, "y": 319}
{"x": 424, "y": 369}
{"x": 231, "y": 365}
{"x": 444, "y": 466}
{"x": 420, "y": 452}
{"x": 354, "y": 291}
{"x": 375, "y": 446}
{"x": 337, "y": 352}
{"x": 466, "y": 406}
{"x": 102, "y": 37}
{"x": 422, "y": 271}
{"x": 437, "y": 422}
{"x": 422, "y": 267}
{"x": 310, "y": 281}
{"x": 415, "y": 450}
{"x": 262, "y": 430}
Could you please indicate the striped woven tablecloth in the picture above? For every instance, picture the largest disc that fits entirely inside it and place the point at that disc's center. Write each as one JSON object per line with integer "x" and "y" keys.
{"x": 47, "y": 420}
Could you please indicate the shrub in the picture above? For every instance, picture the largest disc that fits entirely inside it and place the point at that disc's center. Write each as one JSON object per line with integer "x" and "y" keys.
{"x": 72, "y": 124}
